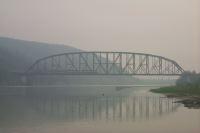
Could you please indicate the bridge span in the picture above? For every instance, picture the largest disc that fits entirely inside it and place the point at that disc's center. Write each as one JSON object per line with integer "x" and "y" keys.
{"x": 105, "y": 63}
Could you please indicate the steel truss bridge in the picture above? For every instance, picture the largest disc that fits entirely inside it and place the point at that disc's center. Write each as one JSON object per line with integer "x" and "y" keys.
{"x": 105, "y": 63}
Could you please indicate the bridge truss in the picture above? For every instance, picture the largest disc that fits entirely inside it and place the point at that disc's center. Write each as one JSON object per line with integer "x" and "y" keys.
{"x": 105, "y": 63}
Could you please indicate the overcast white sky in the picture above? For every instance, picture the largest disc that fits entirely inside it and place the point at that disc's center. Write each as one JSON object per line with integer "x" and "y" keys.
{"x": 170, "y": 28}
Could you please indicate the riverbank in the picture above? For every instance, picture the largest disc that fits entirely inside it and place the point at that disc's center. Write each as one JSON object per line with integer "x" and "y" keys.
{"x": 188, "y": 95}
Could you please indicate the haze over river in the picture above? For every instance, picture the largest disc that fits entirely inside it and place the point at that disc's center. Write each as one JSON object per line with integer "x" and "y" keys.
{"x": 96, "y": 109}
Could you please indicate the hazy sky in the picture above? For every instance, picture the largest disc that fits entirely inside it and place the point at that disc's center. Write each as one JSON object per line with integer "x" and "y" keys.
{"x": 170, "y": 28}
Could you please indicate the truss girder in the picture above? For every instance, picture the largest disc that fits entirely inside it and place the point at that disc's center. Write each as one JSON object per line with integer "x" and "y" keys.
{"x": 105, "y": 63}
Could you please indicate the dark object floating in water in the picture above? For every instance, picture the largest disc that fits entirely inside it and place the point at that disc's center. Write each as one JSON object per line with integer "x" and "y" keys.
{"x": 118, "y": 88}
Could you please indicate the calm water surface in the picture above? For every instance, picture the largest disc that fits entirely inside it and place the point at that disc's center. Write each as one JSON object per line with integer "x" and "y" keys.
{"x": 96, "y": 109}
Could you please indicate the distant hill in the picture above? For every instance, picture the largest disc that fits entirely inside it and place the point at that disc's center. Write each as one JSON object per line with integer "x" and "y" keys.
{"x": 18, "y": 55}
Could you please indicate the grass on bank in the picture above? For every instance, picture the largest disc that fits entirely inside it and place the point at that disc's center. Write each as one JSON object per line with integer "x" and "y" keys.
{"x": 179, "y": 90}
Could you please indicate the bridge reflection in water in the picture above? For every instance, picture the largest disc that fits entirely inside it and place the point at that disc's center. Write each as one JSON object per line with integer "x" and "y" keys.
{"x": 116, "y": 108}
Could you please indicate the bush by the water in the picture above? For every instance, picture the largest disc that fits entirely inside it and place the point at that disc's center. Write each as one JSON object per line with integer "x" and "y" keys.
{"x": 188, "y": 83}
{"x": 189, "y": 79}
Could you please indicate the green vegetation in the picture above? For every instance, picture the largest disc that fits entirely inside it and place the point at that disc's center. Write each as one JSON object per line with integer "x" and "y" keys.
{"x": 187, "y": 90}
{"x": 187, "y": 84}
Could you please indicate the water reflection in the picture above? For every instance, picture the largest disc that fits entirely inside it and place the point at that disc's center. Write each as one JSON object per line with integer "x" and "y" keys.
{"x": 112, "y": 108}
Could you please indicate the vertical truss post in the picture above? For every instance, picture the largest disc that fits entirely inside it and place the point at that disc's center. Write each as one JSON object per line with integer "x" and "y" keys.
{"x": 93, "y": 63}
{"x": 147, "y": 64}
{"x": 126, "y": 67}
{"x": 120, "y": 61}
{"x": 66, "y": 64}
{"x": 52, "y": 63}
{"x": 100, "y": 61}
{"x": 58, "y": 66}
{"x": 160, "y": 65}
{"x": 79, "y": 61}
{"x": 107, "y": 63}
{"x": 133, "y": 63}
{"x": 113, "y": 61}
{"x": 45, "y": 65}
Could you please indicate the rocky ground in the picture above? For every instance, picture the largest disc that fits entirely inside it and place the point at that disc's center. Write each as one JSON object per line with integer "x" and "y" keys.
{"x": 188, "y": 100}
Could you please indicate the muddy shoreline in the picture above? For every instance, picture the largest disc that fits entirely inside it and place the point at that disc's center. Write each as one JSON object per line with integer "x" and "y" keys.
{"x": 189, "y": 101}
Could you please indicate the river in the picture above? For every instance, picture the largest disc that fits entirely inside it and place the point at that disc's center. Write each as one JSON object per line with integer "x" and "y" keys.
{"x": 96, "y": 109}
